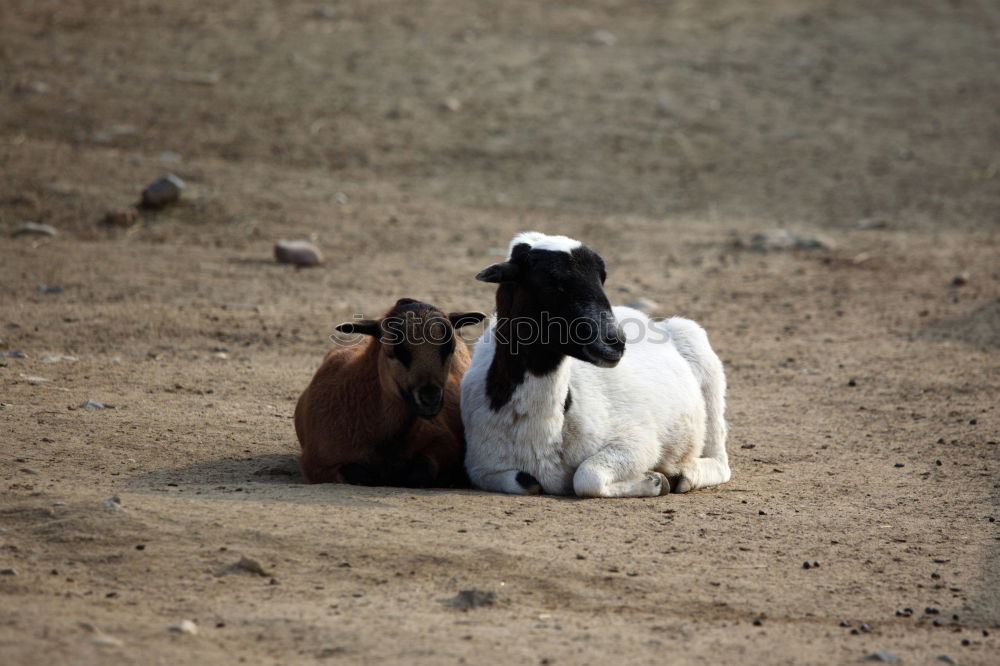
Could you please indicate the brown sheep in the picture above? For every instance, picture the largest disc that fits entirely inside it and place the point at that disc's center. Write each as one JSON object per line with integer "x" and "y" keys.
{"x": 386, "y": 411}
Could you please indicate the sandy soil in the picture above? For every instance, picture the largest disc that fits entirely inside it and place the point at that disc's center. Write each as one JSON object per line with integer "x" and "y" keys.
{"x": 410, "y": 140}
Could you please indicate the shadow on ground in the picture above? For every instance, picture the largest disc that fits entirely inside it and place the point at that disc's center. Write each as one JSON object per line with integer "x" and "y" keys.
{"x": 275, "y": 475}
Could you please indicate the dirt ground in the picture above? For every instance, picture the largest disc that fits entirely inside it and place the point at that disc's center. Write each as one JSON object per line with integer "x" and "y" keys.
{"x": 410, "y": 140}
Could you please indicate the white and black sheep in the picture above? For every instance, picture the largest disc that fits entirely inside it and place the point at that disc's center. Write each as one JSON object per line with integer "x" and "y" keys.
{"x": 567, "y": 395}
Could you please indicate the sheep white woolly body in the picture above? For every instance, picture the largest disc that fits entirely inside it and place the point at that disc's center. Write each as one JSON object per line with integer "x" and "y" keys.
{"x": 659, "y": 411}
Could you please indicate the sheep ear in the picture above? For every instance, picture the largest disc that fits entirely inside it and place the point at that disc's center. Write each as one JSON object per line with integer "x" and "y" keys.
{"x": 460, "y": 319}
{"x": 502, "y": 272}
{"x": 363, "y": 326}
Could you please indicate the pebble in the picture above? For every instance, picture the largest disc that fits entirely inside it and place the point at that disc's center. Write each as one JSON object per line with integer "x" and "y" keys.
{"x": 199, "y": 78}
{"x": 451, "y": 104}
{"x": 56, "y": 358}
{"x": 782, "y": 239}
{"x": 34, "y": 228}
{"x": 946, "y": 659}
{"x": 30, "y": 470}
{"x": 122, "y": 217}
{"x": 90, "y": 404}
{"x": 960, "y": 279}
{"x": 113, "y": 132}
{"x": 164, "y": 191}
{"x": 34, "y": 379}
{"x": 644, "y": 304}
{"x": 882, "y": 655}
{"x": 871, "y": 223}
{"x": 299, "y": 253}
{"x": 50, "y": 288}
{"x": 325, "y": 12}
{"x": 103, "y": 640}
{"x": 467, "y": 599}
{"x": 184, "y": 627}
{"x": 603, "y": 38}
{"x": 247, "y": 564}
{"x": 113, "y": 504}
{"x": 8, "y": 572}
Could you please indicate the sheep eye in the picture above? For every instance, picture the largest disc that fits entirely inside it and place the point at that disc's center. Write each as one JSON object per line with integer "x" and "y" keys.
{"x": 399, "y": 353}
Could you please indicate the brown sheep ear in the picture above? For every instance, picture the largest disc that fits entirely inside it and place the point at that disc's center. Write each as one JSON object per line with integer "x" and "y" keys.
{"x": 460, "y": 319}
{"x": 363, "y": 326}
{"x": 505, "y": 271}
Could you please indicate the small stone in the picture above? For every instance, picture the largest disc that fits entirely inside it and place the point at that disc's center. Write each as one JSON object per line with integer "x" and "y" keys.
{"x": 246, "y": 564}
{"x": 14, "y": 353}
{"x": 806, "y": 565}
{"x": 29, "y": 470}
{"x": 56, "y": 358}
{"x": 34, "y": 229}
{"x": 603, "y": 38}
{"x": 644, "y": 304}
{"x": 90, "y": 404}
{"x": 899, "y": 465}
{"x": 34, "y": 379}
{"x": 451, "y": 104}
{"x": 50, "y": 288}
{"x": 782, "y": 239}
{"x": 869, "y": 223}
{"x": 103, "y": 640}
{"x": 199, "y": 78}
{"x": 946, "y": 659}
{"x": 122, "y": 217}
{"x": 852, "y": 382}
{"x": 961, "y": 279}
{"x": 931, "y": 610}
{"x": 325, "y": 12}
{"x": 844, "y": 623}
{"x": 8, "y": 572}
{"x": 113, "y": 504}
{"x": 467, "y": 599}
{"x": 299, "y": 253}
{"x": 581, "y": 556}
{"x": 164, "y": 191}
{"x": 864, "y": 628}
{"x": 184, "y": 627}
{"x": 882, "y": 655}
{"x": 758, "y": 622}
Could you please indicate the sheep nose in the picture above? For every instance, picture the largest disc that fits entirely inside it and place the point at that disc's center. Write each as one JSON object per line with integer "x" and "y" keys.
{"x": 428, "y": 396}
{"x": 614, "y": 337}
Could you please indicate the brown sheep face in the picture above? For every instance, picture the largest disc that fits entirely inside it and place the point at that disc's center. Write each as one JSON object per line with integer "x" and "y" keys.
{"x": 417, "y": 342}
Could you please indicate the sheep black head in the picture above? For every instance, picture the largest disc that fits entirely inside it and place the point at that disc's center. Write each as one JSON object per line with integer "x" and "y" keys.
{"x": 416, "y": 344}
{"x": 551, "y": 300}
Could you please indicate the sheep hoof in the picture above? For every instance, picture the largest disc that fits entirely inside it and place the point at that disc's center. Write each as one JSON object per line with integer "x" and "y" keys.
{"x": 529, "y": 483}
{"x": 680, "y": 484}
{"x": 657, "y": 484}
